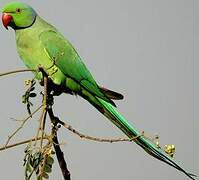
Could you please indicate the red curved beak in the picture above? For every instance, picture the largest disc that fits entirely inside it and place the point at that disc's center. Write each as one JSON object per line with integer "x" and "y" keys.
{"x": 6, "y": 19}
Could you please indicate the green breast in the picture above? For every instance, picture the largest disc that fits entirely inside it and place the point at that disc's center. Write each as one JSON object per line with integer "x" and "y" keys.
{"x": 33, "y": 53}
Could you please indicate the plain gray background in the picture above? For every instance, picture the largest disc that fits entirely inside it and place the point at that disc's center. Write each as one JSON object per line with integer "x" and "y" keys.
{"x": 146, "y": 49}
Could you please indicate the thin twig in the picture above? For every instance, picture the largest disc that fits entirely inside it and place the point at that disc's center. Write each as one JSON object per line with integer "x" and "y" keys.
{"x": 21, "y": 126}
{"x": 44, "y": 112}
{"x": 21, "y": 143}
{"x": 110, "y": 140}
{"x": 43, "y": 115}
{"x": 17, "y": 71}
{"x": 43, "y": 121}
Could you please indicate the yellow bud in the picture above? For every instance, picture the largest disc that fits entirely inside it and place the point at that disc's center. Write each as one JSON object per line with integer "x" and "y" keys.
{"x": 27, "y": 82}
{"x": 157, "y": 144}
{"x": 170, "y": 149}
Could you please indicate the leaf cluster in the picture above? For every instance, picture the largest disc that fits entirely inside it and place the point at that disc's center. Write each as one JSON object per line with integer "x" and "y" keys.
{"x": 37, "y": 161}
{"x": 29, "y": 94}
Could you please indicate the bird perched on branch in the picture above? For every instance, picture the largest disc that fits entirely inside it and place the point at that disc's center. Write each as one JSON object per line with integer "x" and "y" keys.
{"x": 40, "y": 44}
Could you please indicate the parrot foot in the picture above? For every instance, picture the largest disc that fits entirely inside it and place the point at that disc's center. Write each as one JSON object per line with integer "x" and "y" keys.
{"x": 53, "y": 68}
{"x": 52, "y": 71}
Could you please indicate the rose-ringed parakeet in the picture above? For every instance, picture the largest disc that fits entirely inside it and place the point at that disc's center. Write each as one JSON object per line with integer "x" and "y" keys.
{"x": 40, "y": 44}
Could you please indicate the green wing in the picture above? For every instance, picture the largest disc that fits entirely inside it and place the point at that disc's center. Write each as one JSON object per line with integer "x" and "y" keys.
{"x": 69, "y": 62}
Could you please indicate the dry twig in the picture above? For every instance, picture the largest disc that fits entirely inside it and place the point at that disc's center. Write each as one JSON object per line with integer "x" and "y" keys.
{"x": 21, "y": 126}
{"x": 17, "y": 71}
{"x": 109, "y": 140}
{"x": 21, "y": 143}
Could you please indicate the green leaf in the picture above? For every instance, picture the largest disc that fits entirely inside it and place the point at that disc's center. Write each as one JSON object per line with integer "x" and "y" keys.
{"x": 37, "y": 155}
{"x": 32, "y": 89}
{"x": 45, "y": 175}
{"x": 32, "y": 95}
{"x": 27, "y": 149}
{"x": 47, "y": 168}
{"x": 28, "y": 167}
{"x": 30, "y": 104}
{"x": 24, "y": 99}
{"x": 49, "y": 160}
{"x": 39, "y": 177}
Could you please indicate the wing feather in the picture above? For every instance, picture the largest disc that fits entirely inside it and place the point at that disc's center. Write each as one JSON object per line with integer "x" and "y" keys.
{"x": 69, "y": 62}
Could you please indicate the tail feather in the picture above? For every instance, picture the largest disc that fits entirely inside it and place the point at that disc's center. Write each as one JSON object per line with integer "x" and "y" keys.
{"x": 111, "y": 113}
{"x": 112, "y": 94}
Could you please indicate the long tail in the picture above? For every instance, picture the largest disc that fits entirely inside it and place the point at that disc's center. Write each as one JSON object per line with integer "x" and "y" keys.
{"x": 111, "y": 113}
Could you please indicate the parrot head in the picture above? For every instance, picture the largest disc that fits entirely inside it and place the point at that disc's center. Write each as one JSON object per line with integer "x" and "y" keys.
{"x": 18, "y": 15}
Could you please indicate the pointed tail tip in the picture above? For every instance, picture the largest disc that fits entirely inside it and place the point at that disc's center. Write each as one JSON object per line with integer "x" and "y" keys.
{"x": 192, "y": 176}
{"x": 161, "y": 155}
{"x": 111, "y": 113}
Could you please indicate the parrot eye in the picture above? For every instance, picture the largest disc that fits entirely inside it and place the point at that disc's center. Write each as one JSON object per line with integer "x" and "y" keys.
{"x": 18, "y": 10}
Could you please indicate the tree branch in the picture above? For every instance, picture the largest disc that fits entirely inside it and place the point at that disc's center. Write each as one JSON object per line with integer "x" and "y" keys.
{"x": 21, "y": 126}
{"x": 21, "y": 143}
{"x": 45, "y": 104}
{"x": 43, "y": 120}
{"x": 109, "y": 140}
{"x": 48, "y": 103}
{"x": 56, "y": 144}
{"x": 17, "y": 71}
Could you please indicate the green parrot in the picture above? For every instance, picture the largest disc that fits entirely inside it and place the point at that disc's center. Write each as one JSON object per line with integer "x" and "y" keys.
{"x": 40, "y": 44}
